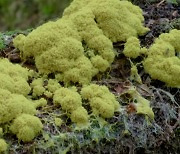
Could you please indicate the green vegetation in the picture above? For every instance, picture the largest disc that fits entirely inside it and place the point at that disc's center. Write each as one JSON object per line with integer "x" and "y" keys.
{"x": 61, "y": 107}
{"x": 2, "y": 46}
{"x": 24, "y": 14}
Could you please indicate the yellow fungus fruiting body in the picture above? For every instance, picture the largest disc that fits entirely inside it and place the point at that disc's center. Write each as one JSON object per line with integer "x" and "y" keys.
{"x": 125, "y": 18}
{"x": 70, "y": 101}
{"x": 102, "y": 102}
{"x": 142, "y": 104}
{"x": 58, "y": 121}
{"x": 143, "y": 107}
{"x": 37, "y": 86}
{"x": 162, "y": 62}
{"x": 40, "y": 103}
{"x": 80, "y": 116}
{"x": 14, "y": 78}
{"x": 26, "y": 127}
{"x": 3, "y": 145}
{"x": 53, "y": 85}
{"x": 132, "y": 48}
{"x": 62, "y": 47}
{"x": 1, "y": 132}
{"x": 13, "y": 105}
{"x": 134, "y": 74}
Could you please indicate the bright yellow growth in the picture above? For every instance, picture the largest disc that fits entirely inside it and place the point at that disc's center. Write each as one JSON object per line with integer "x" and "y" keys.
{"x": 58, "y": 121}
{"x": 3, "y": 145}
{"x": 71, "y": 101}
{"x": 26, "y": 127}
{"x": 118, "y": 20}
{"x": 37, "y": 86}
{"x": 162, "y": 62}
{"x": 134, "y": 74}
{"x": 132, "y": 48}
{"x": 142, "y": 104}
{"x": 53, "y": 85}
{"x": 101, "y": 100}
{"x": 1, "y": 132}
{"x": 14, "y": 78}
{"x": 13, "y": 105}
{"x": 79, "y": 116}
{"x": 79, "y": 45}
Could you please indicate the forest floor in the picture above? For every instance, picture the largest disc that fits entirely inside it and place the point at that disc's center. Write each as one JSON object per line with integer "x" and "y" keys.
{"x": 161, "y": 136}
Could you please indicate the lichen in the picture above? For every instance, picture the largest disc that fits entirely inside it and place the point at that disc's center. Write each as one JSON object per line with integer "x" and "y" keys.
{"x": 26, "y": 127}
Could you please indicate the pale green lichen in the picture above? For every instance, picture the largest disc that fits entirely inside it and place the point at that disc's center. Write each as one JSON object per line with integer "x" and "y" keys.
{"x": 162, "y": 62}
{"x": 101, "y": 100}
{"x": 26, "y": 127}
{"x": 61, "y": 47}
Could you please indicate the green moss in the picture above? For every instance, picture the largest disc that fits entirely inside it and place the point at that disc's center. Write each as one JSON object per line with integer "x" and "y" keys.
{"x": 61, "y": 47}
{"x": 162, "y": 62}
{"x": 26, "y": 127}
{"x": 3, "y": 145}
{"x": 102, "y": 102}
